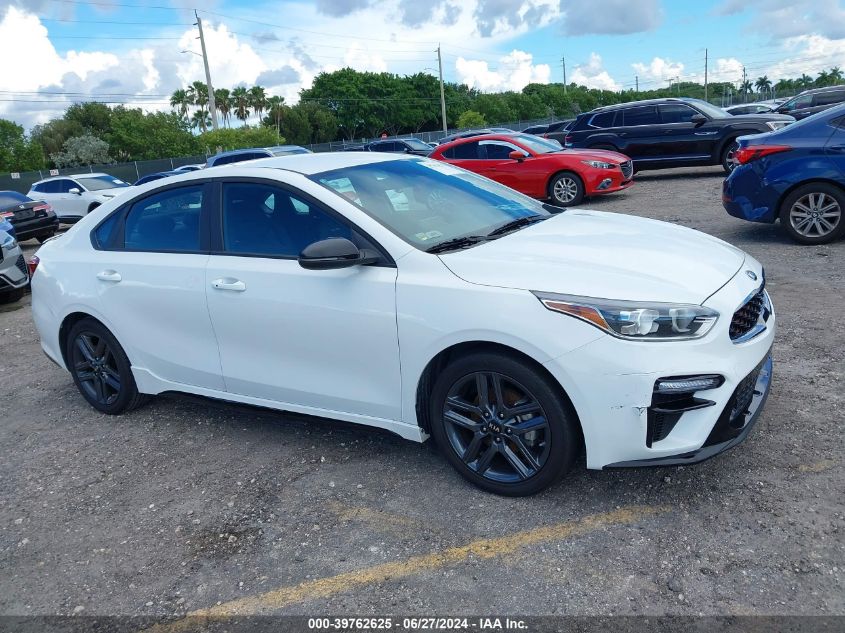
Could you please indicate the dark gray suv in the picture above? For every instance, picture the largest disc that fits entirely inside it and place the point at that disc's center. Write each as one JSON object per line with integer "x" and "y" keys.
{"x": 812, "y": 101}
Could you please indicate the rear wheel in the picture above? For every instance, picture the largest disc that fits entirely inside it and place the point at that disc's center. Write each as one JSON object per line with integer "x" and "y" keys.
{"x": 502, "y": 425}
{"x": 100, "y": 368}
{"x": 728, "y": 156}
{"x": 566, "y": 189}
{"x": 812, "y": 214}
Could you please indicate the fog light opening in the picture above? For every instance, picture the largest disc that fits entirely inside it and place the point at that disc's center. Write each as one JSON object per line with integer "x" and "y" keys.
{"x": 688, "y": 384}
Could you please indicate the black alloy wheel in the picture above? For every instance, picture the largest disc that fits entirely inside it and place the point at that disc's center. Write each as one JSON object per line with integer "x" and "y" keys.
{"x": 100, "y": 368}
{"x": 502, "y": 425}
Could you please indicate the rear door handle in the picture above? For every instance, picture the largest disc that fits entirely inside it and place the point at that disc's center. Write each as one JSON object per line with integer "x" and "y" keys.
{"x": 706, "y": 133}
{"x": 236, "y": 285}
{"x": 108, "y": 275}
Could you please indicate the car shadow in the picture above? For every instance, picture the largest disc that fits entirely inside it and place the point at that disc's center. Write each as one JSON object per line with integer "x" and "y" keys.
{"x": 686, "y": 173}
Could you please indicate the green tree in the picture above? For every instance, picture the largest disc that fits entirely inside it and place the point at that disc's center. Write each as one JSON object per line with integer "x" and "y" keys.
{"x": 51, "y": 136}
{"x": 470, "y": 119}
{"x": 835, "y": 75}
{"x": 137, "y": 135}
{"x": 257, "y": 100}
{"x": 238, "y": 138}
{"x": 82, "y": 150}
{"x": 201, "y": 120}
{"x": 763, "y": 84}
{"x": 93, "y": 117}
{"x": 240, "y": 103}
{"x": 223, "y": 101}
{"x": 181, "y": 100}
{"x": 17, "y": 152}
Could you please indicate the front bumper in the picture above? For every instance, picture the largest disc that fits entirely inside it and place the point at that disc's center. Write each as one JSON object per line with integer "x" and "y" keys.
{"x": 611, "y": 384}
{"x": 727, "y": 432}
{"x": 601, "y": 181}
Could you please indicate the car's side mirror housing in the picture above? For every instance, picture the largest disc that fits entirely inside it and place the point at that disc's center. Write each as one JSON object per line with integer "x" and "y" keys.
{"x": 698, "y": 119}
{"x": 75, "y": 190}
{"x": 517, "y": 155}
{"x": 333, "y": 253}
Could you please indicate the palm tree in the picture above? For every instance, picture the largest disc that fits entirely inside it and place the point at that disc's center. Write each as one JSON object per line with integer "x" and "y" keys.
{"x": 835, "y": 75}
{"x": 274, "y": 109}
{"x": 745, "y": 88}
{"x": 823, "y": 79}
{"x": 257, "y": 100}
{"x": 240, "y": 103}
{"x": 198, "y": 93}
{"x": 181, "y": 99}
{"x": 223, "y": 101}
{"x": 763, "y": 84}
{"x": 200, "y": 119}
{"x": 805, "y": 81}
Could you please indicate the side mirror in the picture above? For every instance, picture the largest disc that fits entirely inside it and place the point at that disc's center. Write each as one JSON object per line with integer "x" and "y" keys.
{"x": 333, "y": 253}
{"x": 517, "y": 155}
{"x": 698, "y": 119}
{"x": 75, "y": 190}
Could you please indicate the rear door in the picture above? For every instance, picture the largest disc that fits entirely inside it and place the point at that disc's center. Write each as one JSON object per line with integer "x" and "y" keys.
{"x": 642, "y": 133}
{"x": 682, "y": 139}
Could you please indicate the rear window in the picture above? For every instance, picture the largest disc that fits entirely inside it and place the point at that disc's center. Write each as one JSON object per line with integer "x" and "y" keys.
{"x": 12, "y": 198}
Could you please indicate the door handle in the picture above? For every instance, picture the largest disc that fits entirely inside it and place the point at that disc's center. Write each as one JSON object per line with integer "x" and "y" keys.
{"x": 108, "y": 275}
{"x": 706, "y": 133}
{"x": 235, "y": 285}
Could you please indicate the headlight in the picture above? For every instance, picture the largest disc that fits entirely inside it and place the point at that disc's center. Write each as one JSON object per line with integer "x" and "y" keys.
{"x": 599, "y": 164}
{"x": 8, "y": 242}
{"x": 633, "y": 320}
{"x": 776, "y": 125}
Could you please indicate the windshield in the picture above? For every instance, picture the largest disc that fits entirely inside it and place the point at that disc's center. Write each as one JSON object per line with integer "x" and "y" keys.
{"x": 709, "y": 109}
{"x": 96, "y": 183}
{"x": 537, "y": 144}
{"x": 427, "y": 202}
{"x": 12, "y": 199}
{"x": 418, "y": 145}
{"x": 290, "y": 150}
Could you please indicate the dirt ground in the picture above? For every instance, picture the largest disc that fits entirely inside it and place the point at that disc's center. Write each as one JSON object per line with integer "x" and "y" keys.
{"x": 188, "y": 505}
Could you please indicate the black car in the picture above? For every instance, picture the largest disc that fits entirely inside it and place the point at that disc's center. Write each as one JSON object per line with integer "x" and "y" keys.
{"x": 156, "y": 176}
{"x": 536, "y": 129}
{"x": 31, "y": 218}
{"x": 749, "y": 108}
{"x": 665, "y": 133}
{"x": 557, "y": 130}
{"x": 479, "y": 132}
{"x": 400, "y": 146}
{"x": 812, "y": 101}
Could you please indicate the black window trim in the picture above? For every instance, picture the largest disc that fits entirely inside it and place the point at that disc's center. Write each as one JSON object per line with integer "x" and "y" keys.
{"x": 216, "y": 219}
{"x": 117, "y": 239}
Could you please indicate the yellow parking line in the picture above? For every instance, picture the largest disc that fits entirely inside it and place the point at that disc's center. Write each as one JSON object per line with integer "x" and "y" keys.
{"x": 481, "y": 548}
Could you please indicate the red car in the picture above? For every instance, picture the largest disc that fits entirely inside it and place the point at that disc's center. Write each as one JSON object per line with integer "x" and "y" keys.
{"x": 540, "y": 168}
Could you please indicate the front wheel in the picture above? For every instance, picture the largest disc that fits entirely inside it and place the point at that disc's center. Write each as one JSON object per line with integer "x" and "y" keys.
{"x": 728, "y": 153}
{"x": 812, "y": 214}
{"x": 566, "y": 189}
{"x": 502, "y": 425}
{"x": 100, "y": 368}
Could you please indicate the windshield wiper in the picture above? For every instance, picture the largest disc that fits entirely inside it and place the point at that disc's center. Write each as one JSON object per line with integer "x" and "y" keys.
{"x": 513, "y": 225}
{"x": 456, "y": 243}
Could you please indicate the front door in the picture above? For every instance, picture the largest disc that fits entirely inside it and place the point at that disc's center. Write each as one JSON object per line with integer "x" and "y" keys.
{"x": 324, "y": 340}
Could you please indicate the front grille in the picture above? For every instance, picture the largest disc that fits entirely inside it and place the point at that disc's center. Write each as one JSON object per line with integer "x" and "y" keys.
{"x": 744, "y": 319}
{"x": 21, "y": 265}
{"x": 627, "y": 169}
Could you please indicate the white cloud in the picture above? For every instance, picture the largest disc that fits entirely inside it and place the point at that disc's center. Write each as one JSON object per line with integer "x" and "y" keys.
{"x": 658, "y": 69}
{"x": 593, "y": 75}
{"x": 806, "y": 54}
{"x": 515, "y": 71}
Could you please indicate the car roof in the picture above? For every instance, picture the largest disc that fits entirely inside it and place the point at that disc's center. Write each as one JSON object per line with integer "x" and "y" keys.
{"x": 813, "y": 91}
{"x": 309, "y": 164}
{"x": 642, "y": 102}
{"x": 493, "y": 136}
{"x": 85, "y": 175}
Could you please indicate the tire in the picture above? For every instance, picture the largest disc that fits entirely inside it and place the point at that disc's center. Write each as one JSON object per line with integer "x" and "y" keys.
{"x": 44, "y": 237}
{"x": 566, "y": 189}
{"x": 12, "y": 295}
{"x": 97, "y": 361}
{"x": 814, "y": 213}
{"x": 481, "y": 442}
{"x": 727, "y": 156}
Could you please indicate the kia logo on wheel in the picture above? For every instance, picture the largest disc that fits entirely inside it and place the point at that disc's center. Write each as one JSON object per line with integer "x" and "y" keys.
{"x": 751, "y": 274}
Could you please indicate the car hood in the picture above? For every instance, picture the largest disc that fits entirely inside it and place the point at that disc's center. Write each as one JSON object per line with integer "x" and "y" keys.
{"x": 605, "y": 255}
{"x": 592, "y": 154}
{"x": 765, "y": 116}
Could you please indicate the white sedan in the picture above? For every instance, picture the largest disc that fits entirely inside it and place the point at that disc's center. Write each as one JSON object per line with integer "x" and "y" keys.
{"x": 413, "y": 296}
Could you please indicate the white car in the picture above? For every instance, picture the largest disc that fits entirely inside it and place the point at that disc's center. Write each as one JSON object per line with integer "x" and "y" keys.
{"x": 413, "y": 296}
{"x": 74, "y": 196}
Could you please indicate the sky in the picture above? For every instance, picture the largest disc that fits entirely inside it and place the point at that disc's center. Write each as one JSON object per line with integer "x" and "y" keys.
{"x": 56, "y": 52}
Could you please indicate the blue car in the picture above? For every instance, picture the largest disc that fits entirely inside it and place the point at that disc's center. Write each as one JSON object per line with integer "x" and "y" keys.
{"x": 796, "y": 175}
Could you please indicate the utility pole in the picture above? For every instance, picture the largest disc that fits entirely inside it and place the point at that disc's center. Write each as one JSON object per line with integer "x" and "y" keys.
{"x": 212, "y": 106}
{"x": 636, "y": 83}
{"x": 744, "y": 87}
{"x": 705, "y": 74}
{"x": 442, "y": 92}
{"x": 563, "y": 63}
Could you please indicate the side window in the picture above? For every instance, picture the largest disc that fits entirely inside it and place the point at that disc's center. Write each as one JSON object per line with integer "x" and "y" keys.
{"x": 265, "y": 220}
{"x": 167, "y": 221}
{"x": 103, "y": 233}
{"x": 466, "y": 151}
{"x": 225, "y": 160}
{"x": 67, "y": 185}
{"x": 828, "y": 98}
{"x": 804, "y": 101}
{"x": 497, "y": 151}
{"x": 602, "y": 120}
{"x": 676, "y": 113}
{"x": 641, "y": 115}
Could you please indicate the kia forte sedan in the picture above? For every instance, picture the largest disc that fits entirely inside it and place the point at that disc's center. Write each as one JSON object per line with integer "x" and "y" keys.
{"x": 410, "y": 295}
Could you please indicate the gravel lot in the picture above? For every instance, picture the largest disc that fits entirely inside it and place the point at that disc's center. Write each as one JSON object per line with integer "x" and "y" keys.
{"x": 186, "y": 504}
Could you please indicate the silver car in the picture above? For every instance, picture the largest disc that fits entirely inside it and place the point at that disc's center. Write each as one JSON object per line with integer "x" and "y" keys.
{"x": 14, "y": 275}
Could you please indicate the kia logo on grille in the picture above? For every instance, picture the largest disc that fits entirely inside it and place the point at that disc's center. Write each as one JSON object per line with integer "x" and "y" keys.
{"x": 751, "y": 274}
